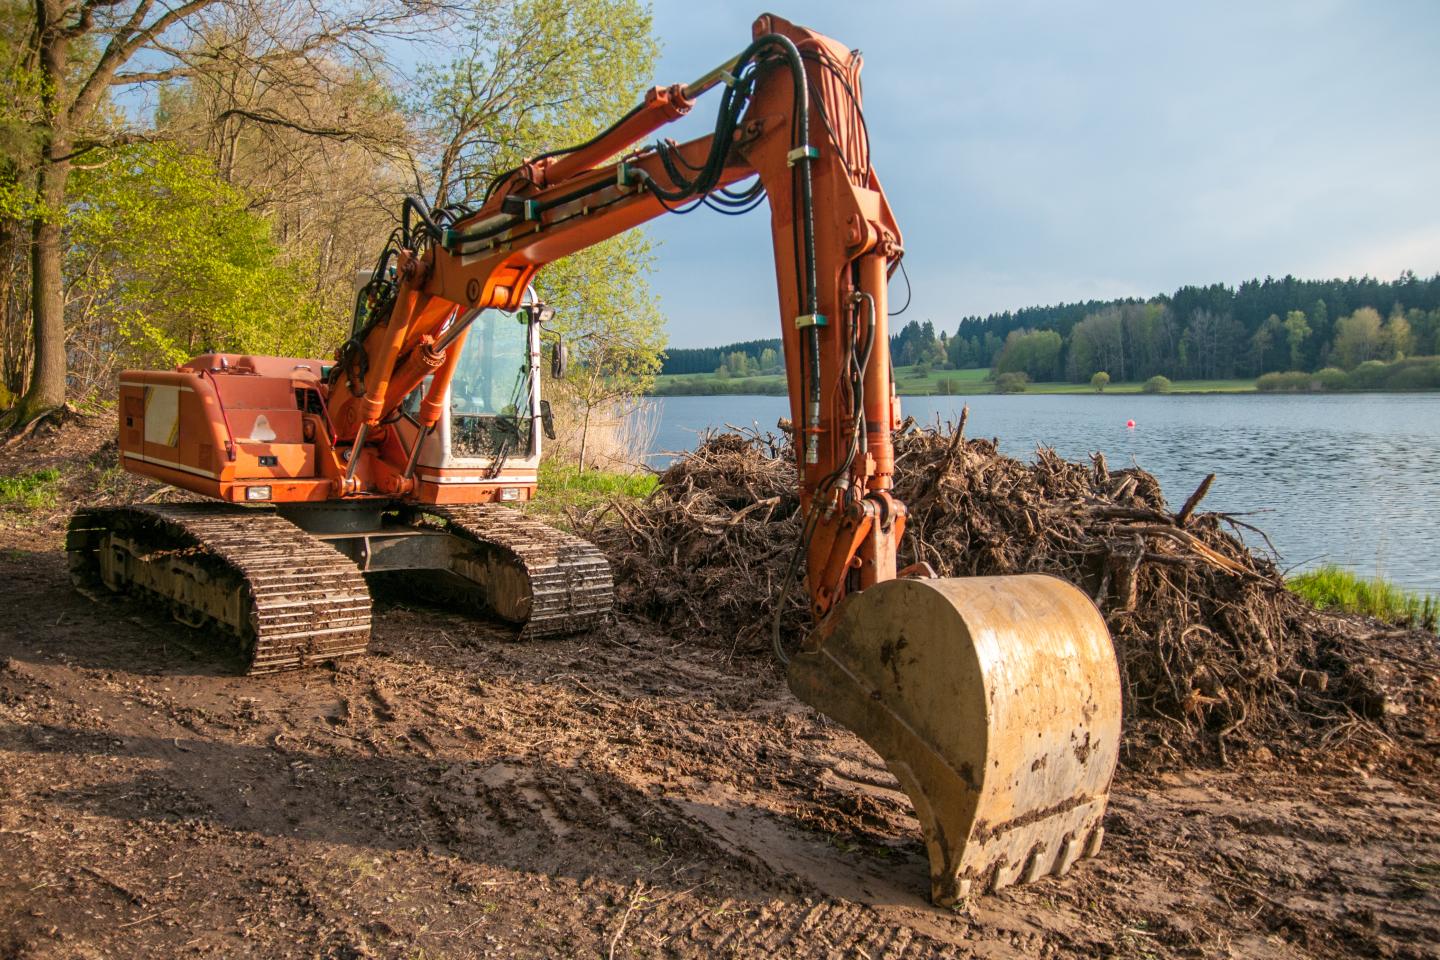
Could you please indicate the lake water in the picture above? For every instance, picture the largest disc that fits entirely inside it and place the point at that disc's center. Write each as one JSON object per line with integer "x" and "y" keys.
{"x": 1353, "y": 480}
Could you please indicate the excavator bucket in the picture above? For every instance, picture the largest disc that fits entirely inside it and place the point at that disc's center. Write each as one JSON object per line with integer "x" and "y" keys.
{"x": 995, "y": 701}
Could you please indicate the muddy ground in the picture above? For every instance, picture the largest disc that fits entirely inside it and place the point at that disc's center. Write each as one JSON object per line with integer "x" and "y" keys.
{"x": 623, "y": 794}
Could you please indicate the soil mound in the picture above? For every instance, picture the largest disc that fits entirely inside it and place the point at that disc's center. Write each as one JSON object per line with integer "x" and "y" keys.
{"x": 1217, "y": 656}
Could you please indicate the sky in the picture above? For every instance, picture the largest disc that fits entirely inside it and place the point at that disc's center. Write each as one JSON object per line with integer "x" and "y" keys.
{"x": 1035, "y": 153}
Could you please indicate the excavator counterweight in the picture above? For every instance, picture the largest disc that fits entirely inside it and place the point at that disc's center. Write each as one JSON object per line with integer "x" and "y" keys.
{"x": 994, "y": 701}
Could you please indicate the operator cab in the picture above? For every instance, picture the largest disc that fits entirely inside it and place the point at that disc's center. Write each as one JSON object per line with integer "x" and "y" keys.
{"x": 489, "y": 433}
{"x": 490, "y": 391}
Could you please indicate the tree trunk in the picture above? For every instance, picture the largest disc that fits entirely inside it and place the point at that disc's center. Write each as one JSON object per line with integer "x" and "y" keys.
{"x": 47, "y": 291}
{"x": 584, "y": 436}
{"x": 47, "y": 295}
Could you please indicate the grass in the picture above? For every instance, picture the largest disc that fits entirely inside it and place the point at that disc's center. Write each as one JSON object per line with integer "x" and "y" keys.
{"x": 565, "y": 485}
{"x": 909, "y": 383}
{"x": 1334, "y": 588}
{"x": 40, "y": 488}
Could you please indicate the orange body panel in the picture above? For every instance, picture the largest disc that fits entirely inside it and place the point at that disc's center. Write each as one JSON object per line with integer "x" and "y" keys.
{"x": 224, "y": 425}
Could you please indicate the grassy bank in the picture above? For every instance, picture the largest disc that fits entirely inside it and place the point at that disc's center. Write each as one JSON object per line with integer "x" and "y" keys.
{"x": 911, "y": 382}
{"x": 1334, "y": 588}
{"x": 563, "y": 485}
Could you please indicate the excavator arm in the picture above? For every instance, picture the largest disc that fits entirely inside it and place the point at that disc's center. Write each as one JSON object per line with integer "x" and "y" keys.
{"x": 995, "y": 702}
{"x": 790, "y": 119}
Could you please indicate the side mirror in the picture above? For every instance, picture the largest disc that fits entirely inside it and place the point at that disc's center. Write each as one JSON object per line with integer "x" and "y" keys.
{"x": 547, "y": 420}
{"x": 559, "y": 359}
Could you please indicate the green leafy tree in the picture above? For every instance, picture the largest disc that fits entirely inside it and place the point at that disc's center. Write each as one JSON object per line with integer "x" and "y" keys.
{"x": 1264, "y": 344}
{"x": 170, "y": 261}
{"x": 613, "y": 323}
{"x": 530, "y": 77}
{"x": 1036, "y": 353}
{"x": 1157, "y": 384}
{"x": 961, "y": 353}
{"x": 1357, "y": 338}
{"x": 1100, "y": 381}
{"x": 1296, "y": 332}
{"x": 80, "y": 50}
{"x": 1398, "y": 337}
{"x": 1097, "y": 343}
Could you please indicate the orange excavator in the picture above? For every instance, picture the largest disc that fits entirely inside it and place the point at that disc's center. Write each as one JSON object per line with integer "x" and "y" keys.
{"x": 995, "y": 702}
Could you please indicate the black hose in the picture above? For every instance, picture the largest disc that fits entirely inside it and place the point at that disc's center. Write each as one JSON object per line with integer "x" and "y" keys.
{"x": 422, "y": 210}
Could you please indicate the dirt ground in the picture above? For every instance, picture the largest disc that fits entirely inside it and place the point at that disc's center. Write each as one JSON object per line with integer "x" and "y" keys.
{"x": 623, "y": 794}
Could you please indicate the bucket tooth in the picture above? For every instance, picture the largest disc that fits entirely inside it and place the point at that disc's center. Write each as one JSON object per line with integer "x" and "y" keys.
{"x": 994, "y": 701}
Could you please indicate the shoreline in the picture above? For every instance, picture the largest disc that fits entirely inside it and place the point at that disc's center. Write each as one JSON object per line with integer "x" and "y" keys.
{"x": 1036, "y": 390}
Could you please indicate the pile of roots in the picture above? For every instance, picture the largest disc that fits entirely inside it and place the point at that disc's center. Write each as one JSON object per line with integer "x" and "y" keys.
{"x": 1216, "y": 654}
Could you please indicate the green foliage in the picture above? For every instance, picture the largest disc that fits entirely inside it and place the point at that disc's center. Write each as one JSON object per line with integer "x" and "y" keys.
{"x": 1411, "y": 373}
{"x": 531, "y": 76}
{"x": 31, "y": 490}
{"x": 1357, "y": 338}
{"x": 1100, "y": 381}
{"x": 1218, "y": 332}
{"x": 564, "y": 485}
{"x": 917, "y": 343}
{"x": 609, "y": 316}
{"x": 20, "y": 113}
{"x": 1296, "y": 333}
{"x": 1035, "y": 353}
{"x": 1334, "y": 588}
{"x": 702, "y": 386}
{"x": 1397, "y": 339}
{"x": 1013, "y": 382}
{"x": 737, "y": 364}
{"x": 1414, "y": 373}
{"x": 1369, "y": 375}
{"x": 1294, "y": 381}
{"x": 176, "y": 261}
{"x": 1157, "y": 384}
{"x": 705, "y": 360}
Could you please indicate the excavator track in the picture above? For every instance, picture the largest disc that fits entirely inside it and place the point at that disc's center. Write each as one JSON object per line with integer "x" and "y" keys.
{"x": 287, "y": 599}
{"x": 529, "y": 572}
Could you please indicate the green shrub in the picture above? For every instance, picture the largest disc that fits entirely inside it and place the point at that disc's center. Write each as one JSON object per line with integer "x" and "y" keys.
{"x": 1011, "y": 382}
{"x": 1100, "y": 381}
{"x": 1332, "y": 378}
{"x": 1370, "y": 375}
{"x": 1293, "y": 381}
{"x": 1157, "y": 384}
{"x": 1333, "y": 588}
{"x": 1414, "y": 373}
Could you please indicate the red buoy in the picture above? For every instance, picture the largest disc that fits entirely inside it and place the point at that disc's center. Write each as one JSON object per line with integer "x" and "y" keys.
{"x": 1130, "y": 424}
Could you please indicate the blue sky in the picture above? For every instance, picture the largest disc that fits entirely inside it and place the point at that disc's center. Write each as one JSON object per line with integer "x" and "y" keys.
{"x": 1040, "y": 152}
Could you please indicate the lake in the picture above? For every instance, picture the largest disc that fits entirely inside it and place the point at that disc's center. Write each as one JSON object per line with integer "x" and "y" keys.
{"x": 1352, "y": 480}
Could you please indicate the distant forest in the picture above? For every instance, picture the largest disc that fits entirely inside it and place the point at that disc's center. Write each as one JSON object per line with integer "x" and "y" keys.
{"x": 1215, "y": 332}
